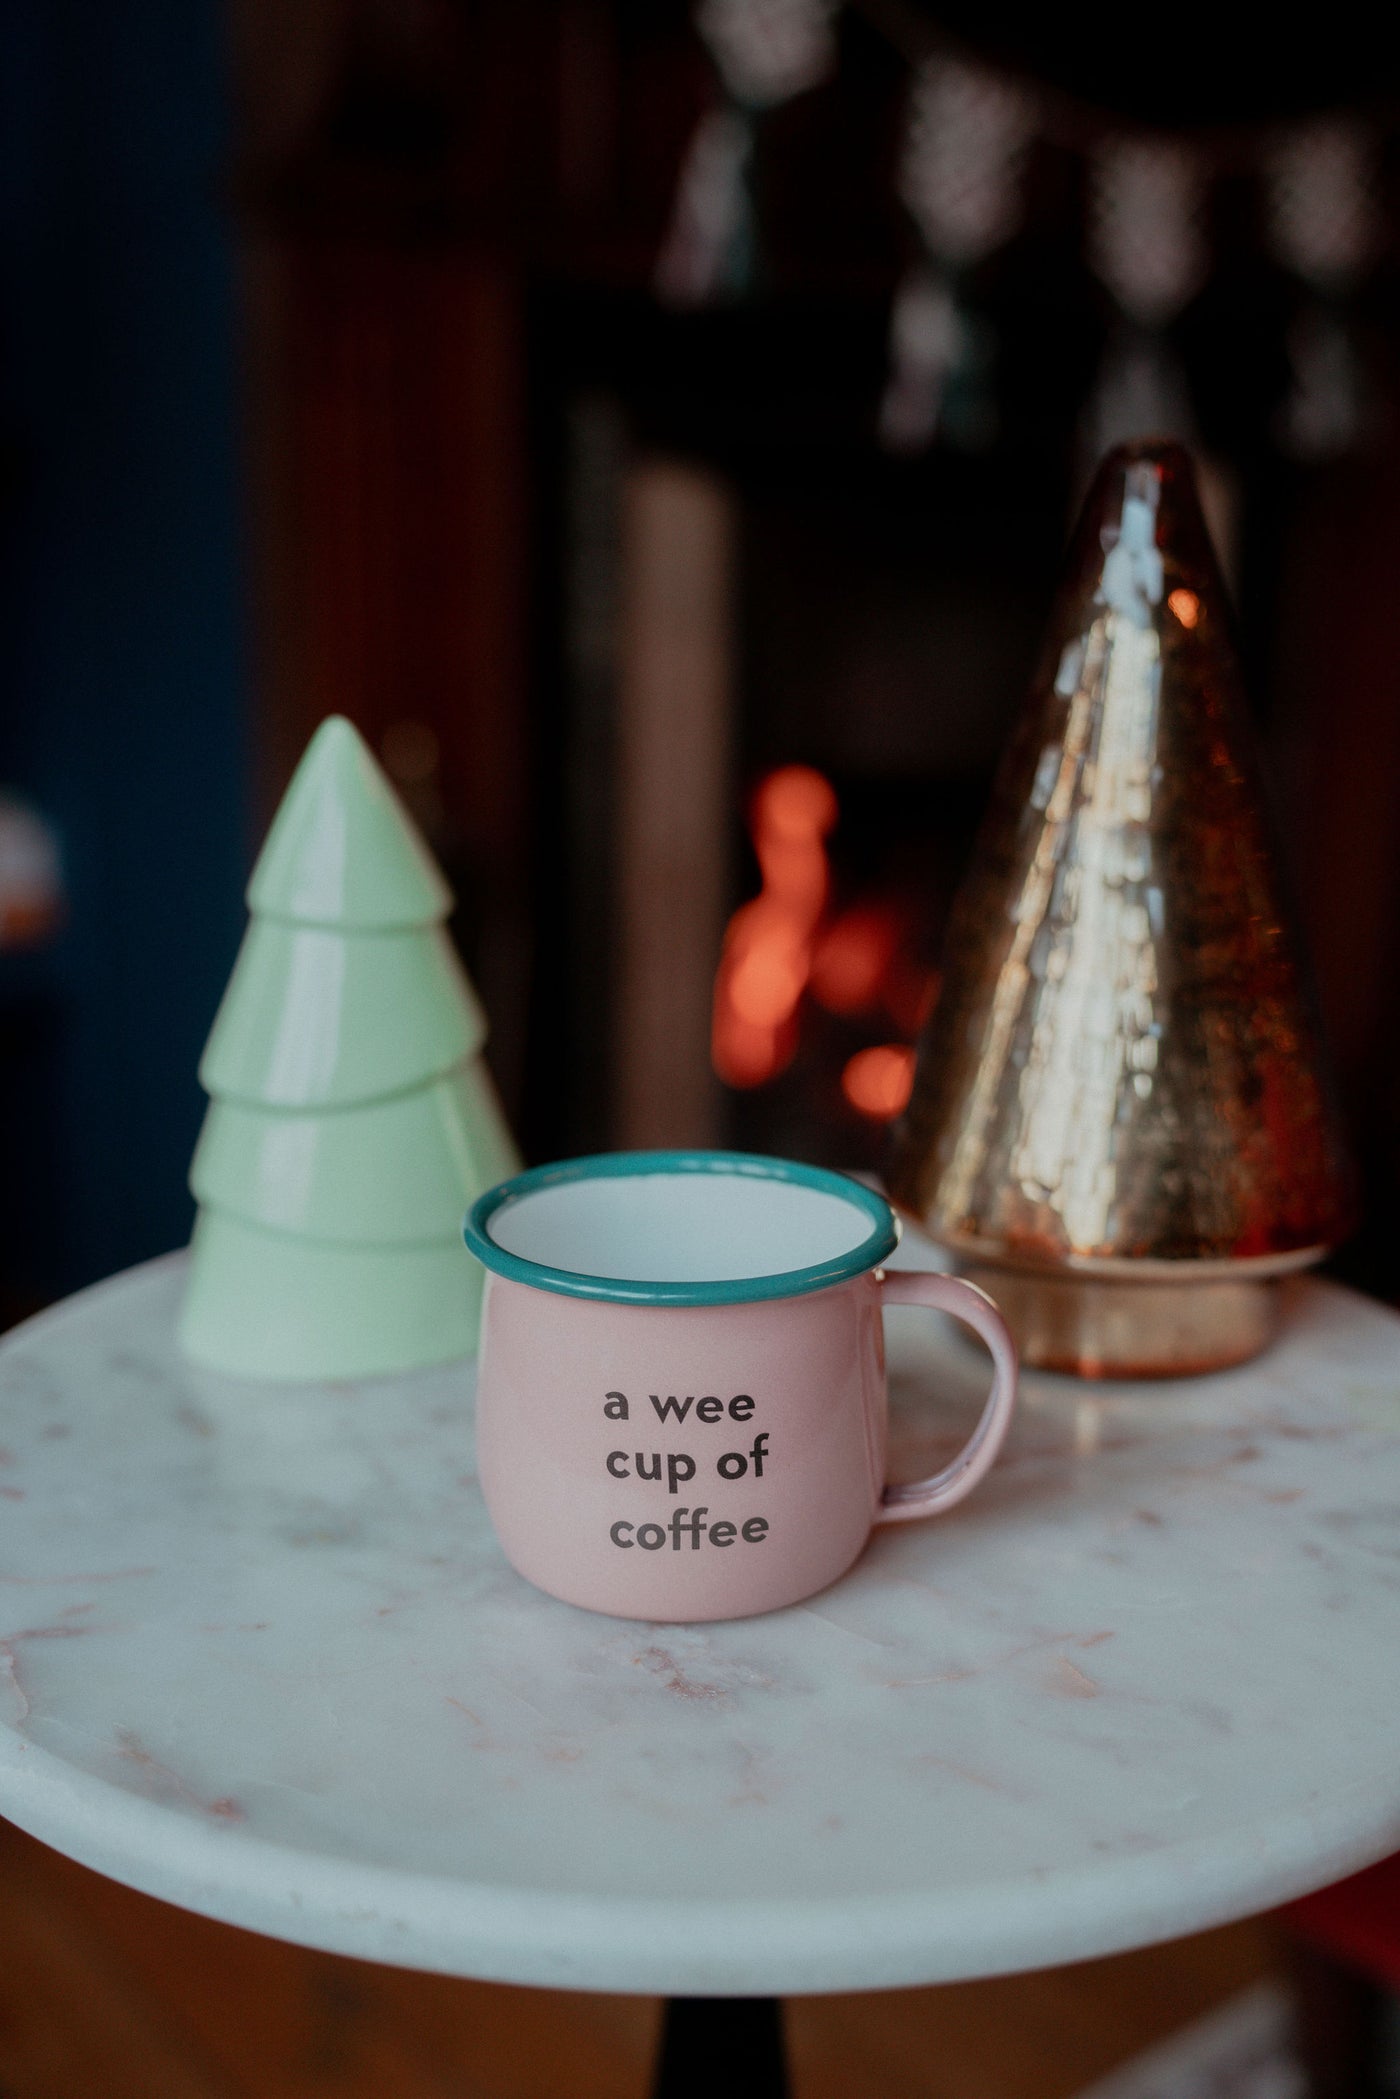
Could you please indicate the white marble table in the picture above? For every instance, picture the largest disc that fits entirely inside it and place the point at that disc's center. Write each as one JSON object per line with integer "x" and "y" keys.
{"x": 259, "y": 1655}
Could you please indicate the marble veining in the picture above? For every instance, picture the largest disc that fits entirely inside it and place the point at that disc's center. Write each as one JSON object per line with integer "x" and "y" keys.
{"x": 259, "y": 1654}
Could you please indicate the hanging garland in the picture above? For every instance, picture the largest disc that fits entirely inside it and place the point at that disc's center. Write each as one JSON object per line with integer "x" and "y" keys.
{"x": 765, "y": 52}
{"x": 969, "y": 132}
{"x": 1324, "y": 227}
{"x": 966, "y": 137}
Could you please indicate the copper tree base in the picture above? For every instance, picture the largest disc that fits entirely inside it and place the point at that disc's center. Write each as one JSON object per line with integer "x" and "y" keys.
{"x": 1101, "y": 1326}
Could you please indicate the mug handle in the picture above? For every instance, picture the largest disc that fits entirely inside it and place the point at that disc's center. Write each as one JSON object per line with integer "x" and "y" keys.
{"x": 948, "y": 1293}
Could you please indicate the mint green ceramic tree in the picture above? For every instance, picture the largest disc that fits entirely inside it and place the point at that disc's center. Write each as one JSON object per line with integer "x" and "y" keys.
{"x": 351, "y": 1120}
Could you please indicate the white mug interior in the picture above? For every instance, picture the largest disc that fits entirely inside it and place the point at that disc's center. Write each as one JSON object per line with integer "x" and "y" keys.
{"x": 713, "y": 1227}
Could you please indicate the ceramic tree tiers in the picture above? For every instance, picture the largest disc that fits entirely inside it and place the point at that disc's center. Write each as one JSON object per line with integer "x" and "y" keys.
{"x": 351, "y": 1118}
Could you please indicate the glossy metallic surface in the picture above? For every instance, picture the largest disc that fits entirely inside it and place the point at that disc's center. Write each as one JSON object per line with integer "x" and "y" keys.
{"x": 1123, "y": 1067}
{"x": 1101, "y": 1326}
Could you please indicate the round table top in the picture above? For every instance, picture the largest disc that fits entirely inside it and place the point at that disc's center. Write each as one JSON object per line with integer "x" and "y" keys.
{"x": 260, "y": 1655}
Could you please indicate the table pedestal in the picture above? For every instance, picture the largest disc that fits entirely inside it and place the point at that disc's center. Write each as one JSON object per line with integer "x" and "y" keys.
{"x": 722, "y": 2045}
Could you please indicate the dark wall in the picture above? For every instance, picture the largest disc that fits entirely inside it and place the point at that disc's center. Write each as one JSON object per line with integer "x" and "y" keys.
{"x": 123, "y": 709}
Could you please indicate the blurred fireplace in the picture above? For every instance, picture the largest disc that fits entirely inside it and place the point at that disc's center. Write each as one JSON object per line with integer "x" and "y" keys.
{"x": 589, "y": 574}
{"x": 786, "y": 673}
{"x": 585, "y": 571}
{"x": 585, "y": 589}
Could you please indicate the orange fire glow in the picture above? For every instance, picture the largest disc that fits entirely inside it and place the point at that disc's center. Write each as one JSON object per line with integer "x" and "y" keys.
{"x": 909, "y": 993}
{"x": 767, "y": 955}
{"x": 877, "y": 1082}
{"x": 853, "y": 958}
{"x": 1186, "y": 605}
{"x": 781, "y": 945}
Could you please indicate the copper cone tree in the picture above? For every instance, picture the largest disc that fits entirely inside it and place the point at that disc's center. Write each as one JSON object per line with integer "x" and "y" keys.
{"x": 1119, "y": 1122}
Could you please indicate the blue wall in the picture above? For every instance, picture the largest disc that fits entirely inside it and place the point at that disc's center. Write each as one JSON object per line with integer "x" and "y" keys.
{"x": 123, "y": 708}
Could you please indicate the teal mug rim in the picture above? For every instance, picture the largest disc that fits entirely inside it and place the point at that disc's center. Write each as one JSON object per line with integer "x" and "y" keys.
{"x": 879, "y": 1242}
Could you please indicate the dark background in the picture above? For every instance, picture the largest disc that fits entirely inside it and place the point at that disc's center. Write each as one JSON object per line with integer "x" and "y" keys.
{"x": 327, "y": 348}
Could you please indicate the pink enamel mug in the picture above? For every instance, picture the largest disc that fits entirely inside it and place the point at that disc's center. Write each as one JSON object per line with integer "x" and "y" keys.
{"x": 681, "y": 1401}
